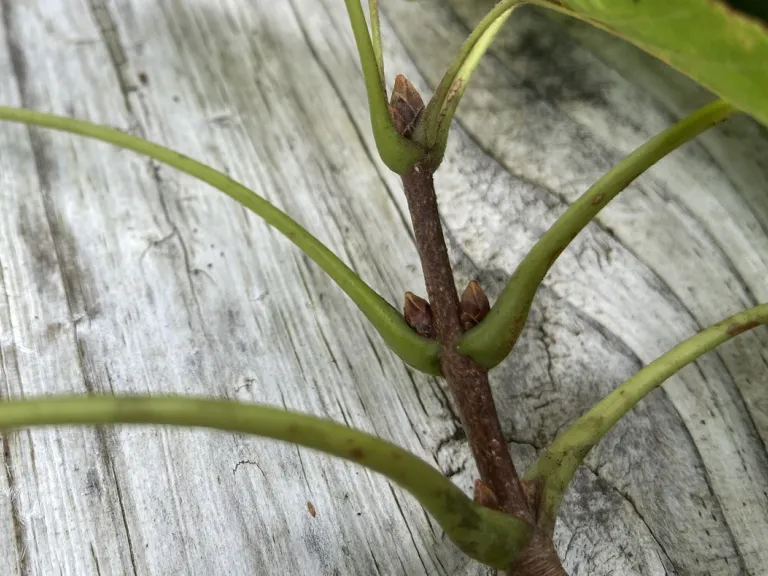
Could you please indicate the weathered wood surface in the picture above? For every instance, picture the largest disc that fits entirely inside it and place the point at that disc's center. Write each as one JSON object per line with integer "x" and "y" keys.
{"x": 121, "y": 275}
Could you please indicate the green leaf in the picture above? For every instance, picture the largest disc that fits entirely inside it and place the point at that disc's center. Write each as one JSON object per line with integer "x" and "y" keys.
{"x": 493, "y": 339}
{"x": 720, "y": 47}
{"x": 555, "y": 468}
{"x": 487, "y": 536}
{"x": 398, "y": 153}
{"x": 421, "y": 353}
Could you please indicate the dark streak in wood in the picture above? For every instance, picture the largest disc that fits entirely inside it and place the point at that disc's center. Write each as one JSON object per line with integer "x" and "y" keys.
{"x": 95, "y": 560}
{"x": 18, "y": 525}
{"x": 124, "y": 517}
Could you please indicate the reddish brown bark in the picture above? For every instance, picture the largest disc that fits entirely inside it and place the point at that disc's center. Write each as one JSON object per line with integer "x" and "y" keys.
{"x": 539, "y": 558}
{"x": 499, "y": 486}
{"x": 467, "y": 380}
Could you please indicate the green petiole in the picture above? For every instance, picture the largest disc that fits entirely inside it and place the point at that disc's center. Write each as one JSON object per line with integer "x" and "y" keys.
{"x": 492, "y": 340}
{"x": 487, "y": 536}
{"x": 421, "y": 353}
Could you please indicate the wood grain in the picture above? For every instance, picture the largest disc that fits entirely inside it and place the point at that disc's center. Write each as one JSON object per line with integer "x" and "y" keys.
{"x": 121, "y": 275}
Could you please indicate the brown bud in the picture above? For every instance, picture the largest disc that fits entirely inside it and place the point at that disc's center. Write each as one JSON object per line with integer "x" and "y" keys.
{"x": 418, "y": 314}
{"x": 474, "y": 305}
{"x": 405, "y": 106}
{"x": 485, "y": 496}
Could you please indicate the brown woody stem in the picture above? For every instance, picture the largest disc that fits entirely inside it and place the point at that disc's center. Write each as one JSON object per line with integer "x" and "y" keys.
{"x": 467, "y": 380}
{"x": 539, "y": 558}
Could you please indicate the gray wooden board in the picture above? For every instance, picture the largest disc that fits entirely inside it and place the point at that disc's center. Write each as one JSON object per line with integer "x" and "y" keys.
{"x": 121, "y": 275}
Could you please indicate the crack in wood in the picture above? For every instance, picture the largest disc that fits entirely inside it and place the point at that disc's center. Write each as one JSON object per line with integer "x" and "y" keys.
{"x": 18, "y": 523}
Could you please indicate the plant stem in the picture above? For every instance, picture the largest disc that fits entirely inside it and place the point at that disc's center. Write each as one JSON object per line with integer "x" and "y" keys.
{"x": 373, "y": 10}
{"x": 420, "y": 353}
{"x": 467, "y": 380}
{"x": 555, "y": 468}
{"x": 397, "y": 152}
{"x": 485, "y": 535}
{"x": 539, "y": 558}
{"x": 426, "y": 133}
{"x": 491, "y": 341}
